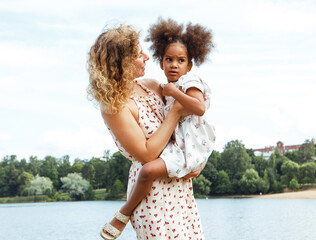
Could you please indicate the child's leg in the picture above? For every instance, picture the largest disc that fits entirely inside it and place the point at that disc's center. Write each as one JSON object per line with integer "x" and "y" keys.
{"x": 149, "y": 172}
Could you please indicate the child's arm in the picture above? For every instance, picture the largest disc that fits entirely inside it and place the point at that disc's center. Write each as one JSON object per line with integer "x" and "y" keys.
{"x": 193, "y": 100}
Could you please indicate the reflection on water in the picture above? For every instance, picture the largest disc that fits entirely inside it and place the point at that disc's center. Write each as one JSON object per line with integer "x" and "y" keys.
{"x": 222, "y": 219}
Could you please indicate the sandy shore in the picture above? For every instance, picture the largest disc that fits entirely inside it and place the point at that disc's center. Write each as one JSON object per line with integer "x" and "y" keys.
{"x": 308, "y": 194}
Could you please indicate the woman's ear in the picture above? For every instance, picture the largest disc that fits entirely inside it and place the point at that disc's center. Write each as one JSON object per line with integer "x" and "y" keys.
{"x": 161, "y": 65}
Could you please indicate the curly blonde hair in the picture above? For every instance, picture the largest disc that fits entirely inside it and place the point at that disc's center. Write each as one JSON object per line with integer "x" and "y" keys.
{"x": 110, "y": 67}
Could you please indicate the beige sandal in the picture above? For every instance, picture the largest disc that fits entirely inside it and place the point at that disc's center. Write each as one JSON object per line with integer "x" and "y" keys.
{"x": 113, "y": 232}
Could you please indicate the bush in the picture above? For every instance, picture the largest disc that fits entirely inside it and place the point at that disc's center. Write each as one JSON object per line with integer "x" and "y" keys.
{"x": 116, "y": 191}
{"x": 40, "y": 185}
{"x": 277, "y": 187}
{"x": 76, "y": 186}
{"x": 294, "y": 184}
{"x": 223, "y": 183}
{"x": 201, "y": 186}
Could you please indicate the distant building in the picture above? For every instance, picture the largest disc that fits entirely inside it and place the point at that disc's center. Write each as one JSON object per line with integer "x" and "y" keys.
{"x": 267, "y": 151}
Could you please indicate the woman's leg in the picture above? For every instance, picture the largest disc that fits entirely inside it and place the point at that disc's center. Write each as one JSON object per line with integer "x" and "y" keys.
{"x": 149, "y": 172}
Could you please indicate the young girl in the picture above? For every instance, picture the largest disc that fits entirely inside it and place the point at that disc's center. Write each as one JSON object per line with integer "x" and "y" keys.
{"x": 194, "y": 137}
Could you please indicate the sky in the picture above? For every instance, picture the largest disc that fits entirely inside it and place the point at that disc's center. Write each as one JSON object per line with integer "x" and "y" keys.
{"x": 262, "y": 71}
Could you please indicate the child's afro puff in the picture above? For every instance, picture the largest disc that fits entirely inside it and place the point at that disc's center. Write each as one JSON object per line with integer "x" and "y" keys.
{"x": 197, "y": 39}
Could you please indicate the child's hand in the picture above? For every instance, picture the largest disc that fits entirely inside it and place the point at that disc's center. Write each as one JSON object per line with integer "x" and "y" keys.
{"x": 194, "y": 174}
{"x": 169, "y": 89}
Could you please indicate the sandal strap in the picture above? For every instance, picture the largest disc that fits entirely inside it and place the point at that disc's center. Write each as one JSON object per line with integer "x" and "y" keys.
{"x": 112, "y": 230}
{"x": 121, "y": 217}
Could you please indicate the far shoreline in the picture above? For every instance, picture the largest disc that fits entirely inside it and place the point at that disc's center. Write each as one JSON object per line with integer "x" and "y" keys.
{"x": 305, "y": 194}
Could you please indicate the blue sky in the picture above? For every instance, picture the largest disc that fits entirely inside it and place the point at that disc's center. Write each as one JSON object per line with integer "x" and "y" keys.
{"x": 262, "y": 71}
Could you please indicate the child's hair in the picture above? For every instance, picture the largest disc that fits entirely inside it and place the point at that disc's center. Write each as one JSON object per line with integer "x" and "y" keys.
{"x": 197, "y": 39}
{"x": 110, "y": 67}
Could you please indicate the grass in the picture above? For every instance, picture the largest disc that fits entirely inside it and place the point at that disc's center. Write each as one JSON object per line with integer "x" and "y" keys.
{"x": 40, "y": 198}
{"x": 99, "y": 194}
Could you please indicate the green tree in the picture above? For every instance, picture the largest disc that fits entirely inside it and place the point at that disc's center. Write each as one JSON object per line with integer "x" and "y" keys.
{"x": 88, "y": 172}
{"x": 49, "y": 169}
{"x": 289, "y": 171}
{"x": 251, "y": 182}
{"x": 210, "y": 172}
{"x": 64, "y": 167}
{"x": 11, "y": 173}
{"x": 260, "y": 164}
{"x": 277, "y": 187}
{"x": 306, "y": 152}
{"x": 77, "y": 166}
{"x": 40, "y": 185}
{"x": 34, "y": 166}
{"x": 266, "y": 182}
{"x": 117, "y": 168}
{"x": 235, "y": 161}
{"x": 294, "y": 184}
{"x": 275, "y": 162}
{"x": 293, "y": 156}
{"x": 4, "y": 188}
{"x": 307, "y": 173}
{"x": 235, "y": 158}
{"x": 75, "y": 185}
{"x": 100, "y": 172}
{"x": 201, "y": 186}
{"x": 24, "y": 182}
{"x": 117, "y": 187}
{"x": 223, "y": 184}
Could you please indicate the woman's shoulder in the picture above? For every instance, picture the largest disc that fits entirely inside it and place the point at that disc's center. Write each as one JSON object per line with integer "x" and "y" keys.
{"x": 151, "y": 84}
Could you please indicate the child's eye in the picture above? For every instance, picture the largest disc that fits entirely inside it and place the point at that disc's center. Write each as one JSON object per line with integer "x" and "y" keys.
{"x": 169, "y": 59}
{"x": 181, "y": 60}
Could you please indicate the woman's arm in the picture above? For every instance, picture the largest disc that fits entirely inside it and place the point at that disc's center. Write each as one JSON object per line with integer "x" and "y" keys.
{"x": 127, "y": 131}
{"x": 193, "y": 100}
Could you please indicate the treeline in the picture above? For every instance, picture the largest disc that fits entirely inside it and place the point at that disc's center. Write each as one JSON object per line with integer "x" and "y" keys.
{"x": 236, "y": 170}
{"x": 53, "y": 176}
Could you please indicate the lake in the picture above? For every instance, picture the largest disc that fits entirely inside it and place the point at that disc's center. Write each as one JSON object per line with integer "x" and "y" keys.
{"x": 222, "y": 219}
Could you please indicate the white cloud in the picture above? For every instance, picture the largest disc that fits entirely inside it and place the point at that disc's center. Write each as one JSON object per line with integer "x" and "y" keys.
{"x": 4, "y": 137}
{"x": 84, "y": 142}
{"x": 19, "y": 56}
{"x": 283, "y": 17}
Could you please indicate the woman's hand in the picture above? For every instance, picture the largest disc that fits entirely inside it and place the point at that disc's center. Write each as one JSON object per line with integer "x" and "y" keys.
{"x": 180, "y": 109}
{"x": 193, "y": 174}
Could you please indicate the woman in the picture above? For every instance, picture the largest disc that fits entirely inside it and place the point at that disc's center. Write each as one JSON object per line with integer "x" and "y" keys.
{"x": 133, "y": 111}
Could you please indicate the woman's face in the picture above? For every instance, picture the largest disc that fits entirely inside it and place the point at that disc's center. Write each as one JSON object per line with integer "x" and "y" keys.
{"x": 140, "y": 62}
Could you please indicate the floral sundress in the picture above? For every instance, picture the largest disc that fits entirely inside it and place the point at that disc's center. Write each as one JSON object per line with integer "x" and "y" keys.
{"x": 169, "y": 211}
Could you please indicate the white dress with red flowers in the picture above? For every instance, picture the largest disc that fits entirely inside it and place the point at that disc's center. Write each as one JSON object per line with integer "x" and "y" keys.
{"x": 194, "y": 135}
{"x": 169, "y": 211}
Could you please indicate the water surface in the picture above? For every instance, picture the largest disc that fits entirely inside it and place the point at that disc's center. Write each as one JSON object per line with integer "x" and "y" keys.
{"x": 222, "y": 219}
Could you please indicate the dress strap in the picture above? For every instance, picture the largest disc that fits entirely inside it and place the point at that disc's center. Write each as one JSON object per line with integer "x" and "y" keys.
{"x": 152, "y": 100}
{"x": 145, "y": 88}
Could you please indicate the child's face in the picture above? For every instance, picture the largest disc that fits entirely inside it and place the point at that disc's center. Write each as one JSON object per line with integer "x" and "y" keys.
{"x": 175, "y": 62}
